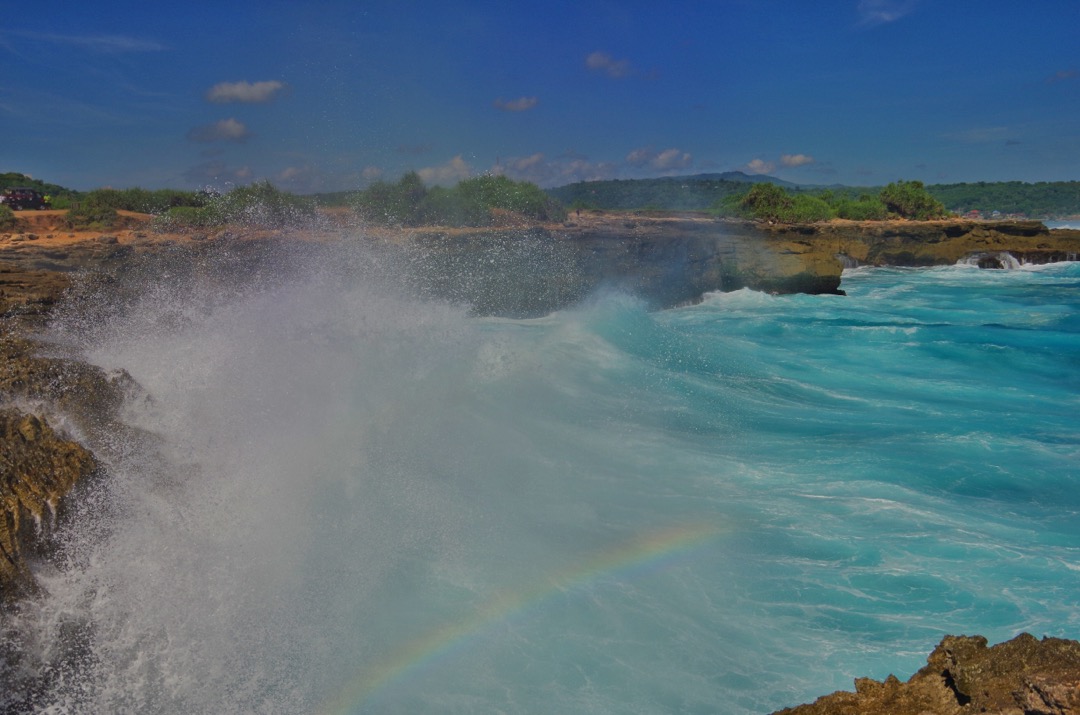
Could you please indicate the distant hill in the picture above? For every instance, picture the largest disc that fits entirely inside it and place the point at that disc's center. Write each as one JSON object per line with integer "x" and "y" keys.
{"x": 739, "y": 177}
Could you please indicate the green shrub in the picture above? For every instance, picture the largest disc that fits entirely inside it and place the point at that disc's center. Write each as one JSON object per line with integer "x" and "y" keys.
{"x": 143, "y": 200}
{"x": 866, "y": 208}
{"x": 261, "y": 205}
{"x": 472, "y": 202}
{"x": 393, "y": 204}
{"x": 768, "y": 202}
{"x": 7, "y": 218}
{"x": 92, "y": 215}
{"x": 809, "y": 209}
{"x": 909, "y": 199}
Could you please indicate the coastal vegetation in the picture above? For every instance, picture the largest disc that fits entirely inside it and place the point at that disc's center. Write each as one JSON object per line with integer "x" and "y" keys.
{"x": 498, "y": 200}
{"x": 479, "y": 201}
{"x": 768, "y": 202}
{"x": 258, "y": 205}
{"x": 711, "y": 192}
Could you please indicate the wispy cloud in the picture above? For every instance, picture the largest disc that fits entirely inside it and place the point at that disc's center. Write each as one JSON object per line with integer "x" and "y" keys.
{"x": 540, "y": 170}
{"x": 794, "y": 160}
{"x": 521, "y": 104}
{"x": 606, "y": 64}
{"x": 760, "y": 166}
{"x": 226, "y": 130}
{"x": 1063, "y": 76}
{"x": 449, "y": 173}
{"x": 107, "y": 44}
{"x": 666, "y": 160}
{"x": 247, "y": 92}
{"x": 305, "y": 178}
{"x": 881, "y": 12}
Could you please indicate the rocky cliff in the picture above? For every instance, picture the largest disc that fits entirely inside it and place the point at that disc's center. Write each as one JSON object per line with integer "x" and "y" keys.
{"x": 671, "y": 260}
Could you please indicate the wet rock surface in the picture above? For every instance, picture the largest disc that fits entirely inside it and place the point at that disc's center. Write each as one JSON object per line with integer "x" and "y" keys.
{"x": 38, "y": 468}
{"x": 1023, "y": 676}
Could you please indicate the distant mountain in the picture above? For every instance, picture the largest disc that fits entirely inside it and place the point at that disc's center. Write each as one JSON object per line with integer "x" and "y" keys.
{"x": 737, "y": 176}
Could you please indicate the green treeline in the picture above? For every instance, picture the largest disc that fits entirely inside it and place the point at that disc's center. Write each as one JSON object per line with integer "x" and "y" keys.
{"x": 1038, "y": 200}
{"x": 768, "y": 202}
{"x": 474, "y": 202}
{"x": 668, "y": 194}
{"x": 258, "y": 205}
{"x": 1044, "y": 199}
{"x": 480, "y": 201}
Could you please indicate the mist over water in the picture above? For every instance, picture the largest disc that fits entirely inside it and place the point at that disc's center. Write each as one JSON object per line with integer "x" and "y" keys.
{"x": 344, "y": 498}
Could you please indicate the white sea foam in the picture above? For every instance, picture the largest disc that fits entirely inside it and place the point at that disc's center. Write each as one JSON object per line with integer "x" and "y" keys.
{"x": 336, "y": 475}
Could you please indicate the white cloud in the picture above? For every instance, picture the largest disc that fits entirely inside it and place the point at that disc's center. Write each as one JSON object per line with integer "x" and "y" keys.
{"x": 760, "y": 166}
{"x": 301, "y": 179}
{"x": 541, "y": 171}
{"x": 291, "y": 172}
{"x": 226, "y": 130}
{"x": 521, "y": 104}
{"x": 451, "y": 172}
{"x": 603, "y": 62}
{"x": 371, "y": 173}
{"x": 881, "y": 12}
{"x": 671, "y": 159}
{"x": 793, "y": 160}
{"x": 249, "y": 92}
{"x": 667, "y": 160}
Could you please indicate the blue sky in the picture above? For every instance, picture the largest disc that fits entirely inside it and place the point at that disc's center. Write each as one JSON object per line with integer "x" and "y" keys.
{"x": 322, "y": 96}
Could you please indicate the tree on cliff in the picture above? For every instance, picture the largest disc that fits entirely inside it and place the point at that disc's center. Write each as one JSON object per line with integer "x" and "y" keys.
{"x": 768, "y": 202}
{"x": 910, "y": 199}
{"x": 472, "y": 202}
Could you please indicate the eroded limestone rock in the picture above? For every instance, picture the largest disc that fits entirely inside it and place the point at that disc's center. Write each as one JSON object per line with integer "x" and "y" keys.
{"x": 38, "y": 467}
{"x": 1023, "y": 676}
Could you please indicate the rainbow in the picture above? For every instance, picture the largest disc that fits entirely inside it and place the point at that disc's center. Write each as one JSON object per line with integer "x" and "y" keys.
{"x": 648, "y": 553}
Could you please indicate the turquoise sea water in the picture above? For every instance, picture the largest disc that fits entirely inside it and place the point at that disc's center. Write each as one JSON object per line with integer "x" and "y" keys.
{"x": 364, "y": 503}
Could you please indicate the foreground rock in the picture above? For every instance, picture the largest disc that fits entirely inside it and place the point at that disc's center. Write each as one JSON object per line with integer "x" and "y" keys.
{"x": 39, "y": 464}
{"x": 1024, "y": 676}
{"x": 39, "y": 468}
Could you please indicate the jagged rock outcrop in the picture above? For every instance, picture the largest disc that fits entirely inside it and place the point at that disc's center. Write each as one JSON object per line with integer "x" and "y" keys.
{"x": 669, "y": 260}
{"x": 934, "y": 243}
{"x": 38, "y": 465}
{"x": 1023, "y": 676}
{"x": 38, "y": 468}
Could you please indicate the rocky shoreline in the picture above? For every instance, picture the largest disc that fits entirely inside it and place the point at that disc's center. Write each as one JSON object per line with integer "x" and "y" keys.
{"x": 52, "y": 405}
{"x": 1023, "y": 676}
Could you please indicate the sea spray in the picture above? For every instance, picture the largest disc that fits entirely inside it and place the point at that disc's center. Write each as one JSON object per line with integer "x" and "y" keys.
{"x": 345, "y": 497}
